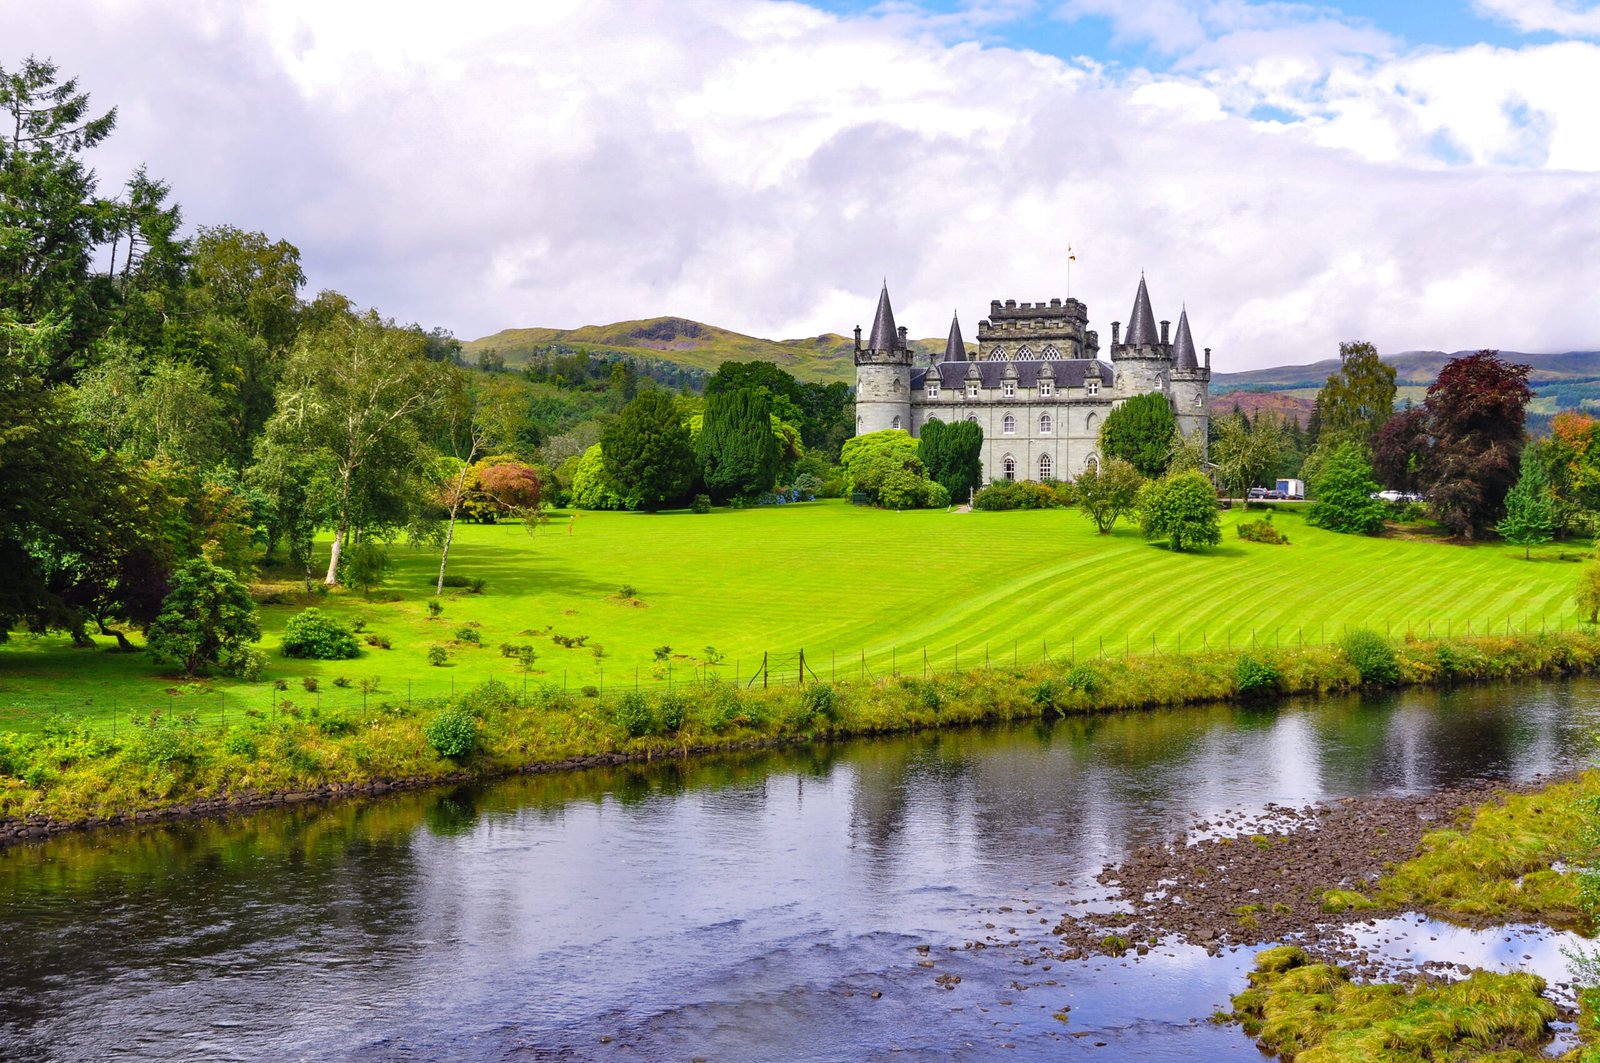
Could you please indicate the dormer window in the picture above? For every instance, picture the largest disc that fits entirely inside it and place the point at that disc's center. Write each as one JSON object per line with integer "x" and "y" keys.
{"x": 1046, "y": 389}
{"x": 1009, "y": 389}
{"x": 1091, "y": 387}
{"x": 972, "y": 389}
{"x": 933, "y": 388}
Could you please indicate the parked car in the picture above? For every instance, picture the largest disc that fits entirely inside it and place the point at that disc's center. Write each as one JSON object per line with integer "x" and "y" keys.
{"x": 1257, "y": 492}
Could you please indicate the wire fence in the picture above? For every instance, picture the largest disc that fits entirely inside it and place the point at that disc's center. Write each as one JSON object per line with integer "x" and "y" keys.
{"x": 358, "y": 700}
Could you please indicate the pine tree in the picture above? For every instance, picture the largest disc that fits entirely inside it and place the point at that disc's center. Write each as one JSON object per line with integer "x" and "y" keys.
{"x": 953, "y": 455}
{"x": 1140, "y": 432}
{"x": 737, "y": 451}
{"x": 646, "y": 452}
{"x": 1530, "y": 518}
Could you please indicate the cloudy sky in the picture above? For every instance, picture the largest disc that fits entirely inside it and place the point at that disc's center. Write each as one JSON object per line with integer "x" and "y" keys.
{"x": 1423, "y": 175}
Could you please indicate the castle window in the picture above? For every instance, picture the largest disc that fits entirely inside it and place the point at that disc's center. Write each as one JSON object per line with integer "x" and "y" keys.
{"x": 895, "y": 423}
{"x": 1199, "y": 400}
{"x": 1024, "y": 352}
{"x": 1009, "y": 425}
{"x": 933, "y": 388}
{"x": 1010, "y": 467}
{"x": 1009, "y": 389}
{"x": 1046, "y": 389}
{"x": 997, "y": 353}
{"x": 1045, "y": 467}
{"x": 1051, "y": 351}
{"x": 1045, "y": 424}
{"x": 1091, "y": 386}
{"x": 972, "y": 417}
{"x": 972, "y": 389}
{"x": 1091, "y": 463}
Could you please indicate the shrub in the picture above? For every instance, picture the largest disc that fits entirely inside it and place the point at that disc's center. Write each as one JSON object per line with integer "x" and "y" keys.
{"x": 380, "y": 641}
{"x": 342, "y": 681}
{"x": 627, "y": 590}
{"x": 938, "y": 495}
{"x": 633, "y": 714}
{"x": 241, "y": 744}
{"x": 1182, "y": 509}
{"x": 437, "y": 656}
{"x": 1044, "y": 696}
{"x": 453, "y": 733}
{"x": 820, "y": 700}
{"x": 1253, "y": 677}
{"x": 1262, "y": 531}
{"x": 243, "y": 662}
{"x": 363, "y": 566}
{"x": 671, "y": 712}
{"x": 1017, "y": 494}
{"x": 488, "y": 696}
{"x": 315, "y": 635}
{"x": 590, "y": 691}
{"x": 310, "y": 683}
{"x": 701, "y": 504}
{"x": 435, "y": 607}
{"x": 476, "y": 585}
{"x": 469, "y": 634}
{"x": 207, "y": 613}
{"x": 1082, "y": 678}
{"x": 1372, "y": 656}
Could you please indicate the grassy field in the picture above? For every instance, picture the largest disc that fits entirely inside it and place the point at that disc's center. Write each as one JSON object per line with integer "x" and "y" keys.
{"x": 855, "y": 588}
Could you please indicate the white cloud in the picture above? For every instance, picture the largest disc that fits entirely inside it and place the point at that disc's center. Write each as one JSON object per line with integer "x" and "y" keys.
{"x": 762, "y": 165}
{"x": 1554, "y": 16}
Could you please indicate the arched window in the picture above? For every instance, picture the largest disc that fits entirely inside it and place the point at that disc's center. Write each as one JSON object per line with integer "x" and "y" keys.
{"x": 972, "y": 417}
{"x": 1090, "y": 463}
{"x": 1024, "y": 352}
{"x": 1092, "y": 420}
{"x": 1051, "y": 352}
{"x": 1045, "y": 424}
{"x": 932, "y": 418}
{"x": 1010, "y": 467}
{"x": 1045, "y": 467}
{"x": 895, "y": 423}
{"x": 997, "y": 353}
{"x": 1009, "y": 425}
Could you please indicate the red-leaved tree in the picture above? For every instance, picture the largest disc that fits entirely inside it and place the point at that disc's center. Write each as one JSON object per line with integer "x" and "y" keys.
{"x": 1475, "y": 418}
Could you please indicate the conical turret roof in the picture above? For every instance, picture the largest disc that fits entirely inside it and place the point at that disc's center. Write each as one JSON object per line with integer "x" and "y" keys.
{"x": 1142, "y": 322}
{"x": 1183, "y": 356}
{"x": 955, "y": 348}
{"x": 885, "y": 337}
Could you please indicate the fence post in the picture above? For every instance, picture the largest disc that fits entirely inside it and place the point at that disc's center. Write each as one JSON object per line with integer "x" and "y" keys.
{"x": 958, "y": 656}
{"x": 894, "y": 661}
{"x": 924, "y": 662}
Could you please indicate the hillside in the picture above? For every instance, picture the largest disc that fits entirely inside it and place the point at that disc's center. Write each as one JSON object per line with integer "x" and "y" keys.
{"x": 823, "y": 358}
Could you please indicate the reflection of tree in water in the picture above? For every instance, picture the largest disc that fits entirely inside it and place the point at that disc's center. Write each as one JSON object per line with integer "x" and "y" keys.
{"x": 453, "y": 812}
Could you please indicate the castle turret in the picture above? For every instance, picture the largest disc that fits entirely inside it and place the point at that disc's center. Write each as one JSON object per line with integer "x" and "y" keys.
{"x": 1142, "y": 358}
{"x": 883, "y": 374}
{"x": 1191, "y": 382}
{"x": 955, "y": 348}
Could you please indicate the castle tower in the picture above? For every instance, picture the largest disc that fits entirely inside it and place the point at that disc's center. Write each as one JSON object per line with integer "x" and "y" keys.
{"x": 955, "y": 347}
{"x": 1191, "y": 381}
{"x": 1142, "y": 359}
{"x": 883, "y": 374}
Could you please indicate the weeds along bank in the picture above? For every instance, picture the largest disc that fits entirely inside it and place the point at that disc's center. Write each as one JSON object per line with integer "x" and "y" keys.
{"x": 68, "y": 774}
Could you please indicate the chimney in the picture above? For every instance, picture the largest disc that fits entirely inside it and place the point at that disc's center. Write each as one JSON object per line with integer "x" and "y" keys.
{"x": 1208, "y": 357}
{"x": 1164, "y": 325}
{"x": 1116, "y": 333}
{"x": 902, "y": 331}
{"x": 858, "y": 337}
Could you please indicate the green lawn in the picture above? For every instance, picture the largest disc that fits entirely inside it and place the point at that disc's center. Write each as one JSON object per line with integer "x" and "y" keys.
{"x": 840, "y": 582}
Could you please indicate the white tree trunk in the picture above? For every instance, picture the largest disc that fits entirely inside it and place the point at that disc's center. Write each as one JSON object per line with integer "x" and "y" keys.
{"x": 333, "y": 558}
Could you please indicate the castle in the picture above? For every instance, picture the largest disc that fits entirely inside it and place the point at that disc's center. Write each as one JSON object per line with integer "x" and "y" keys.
{"x": 1037, "y": 386}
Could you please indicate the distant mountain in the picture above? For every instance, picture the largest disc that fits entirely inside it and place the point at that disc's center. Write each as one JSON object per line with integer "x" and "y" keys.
{"x": 1561, "y": 381}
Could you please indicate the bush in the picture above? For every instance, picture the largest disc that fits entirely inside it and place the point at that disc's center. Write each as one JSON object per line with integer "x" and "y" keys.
{"x": 627, "y": 590}
{"x": 1253, "y": 678}
{"x": 208, "y": 613}
{"x": 315, "y": 635}
{"x": 435, "y": 607}
{"x": 380, "y": 641}
{"x": 1262, "y": 531}
{"x": 672, "y": 711}
{"x": 241, "y": 744}
{"x": 469, "y": 634}
{"x": 1372, "y": 656}
{"x": 632, "y": 712}
{"x": 488, "y": 696}
{"x": 342, "y": 682}
{"x": 938, "y": 495}
{"x": 820, "y": 700}
{"x": 243, "y": 662}
{"x": 453, "y": 733}
{"x": 701, "y": 504}
{"x": 476, "y": 584}
{"x": 590, "y": 691}
{"x": 1082, "y": 678}
{"x": 310, "y": 683}
{"x": 1017, "y": 494}
{"x": 437, "y": 656}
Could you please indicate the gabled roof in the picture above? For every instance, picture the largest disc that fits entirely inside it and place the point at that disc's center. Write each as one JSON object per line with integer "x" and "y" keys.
{"x": 1142, "y": 322}
{"x": 1183, "y": 350}
{"x": 955, "y": 348}
{"x": 885, "y": 337}
{"x": 1066, "y": 372}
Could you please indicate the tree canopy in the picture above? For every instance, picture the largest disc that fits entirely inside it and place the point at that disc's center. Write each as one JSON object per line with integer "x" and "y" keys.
{"x": 1182, "y": 509}
{"x": 1140, "y": 432}
{"x": 646, "y": 452}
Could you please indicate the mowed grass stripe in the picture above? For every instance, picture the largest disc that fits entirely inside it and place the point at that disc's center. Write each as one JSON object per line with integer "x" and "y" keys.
{"x": 839, "y": 580}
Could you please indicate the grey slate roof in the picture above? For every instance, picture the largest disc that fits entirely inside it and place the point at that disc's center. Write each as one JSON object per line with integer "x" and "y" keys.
{"x": 1142, "y": 322}
{"x": 885, "y": 337}
{"x": 955, "y": 348}
{"x": 1069, "y": 373}
{"x": 1183, "y": 350}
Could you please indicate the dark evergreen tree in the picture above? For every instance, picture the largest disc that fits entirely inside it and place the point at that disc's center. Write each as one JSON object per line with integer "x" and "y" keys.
{"x": 953, "y": 456}
{"x": 647, "y": 452}
{"x": 1530, "y": 518}
{"x": 1140, "y": 433}
{"x": 737, "y": 451}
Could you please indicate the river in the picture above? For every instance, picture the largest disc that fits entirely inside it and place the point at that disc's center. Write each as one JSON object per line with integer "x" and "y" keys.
{"x": 766, "y": 906}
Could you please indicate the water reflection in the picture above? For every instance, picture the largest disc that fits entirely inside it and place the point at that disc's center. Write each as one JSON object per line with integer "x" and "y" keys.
{"x": 739, "y": 907}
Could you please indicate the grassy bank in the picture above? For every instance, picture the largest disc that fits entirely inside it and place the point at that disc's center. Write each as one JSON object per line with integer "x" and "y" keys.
{"x": 865, "y": 593}
{"x": 69, "y": 771}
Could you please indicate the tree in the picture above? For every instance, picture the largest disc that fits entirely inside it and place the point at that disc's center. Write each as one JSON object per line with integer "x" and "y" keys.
{"x": 1400, "y": 451}
{"x": 353, "y": 389}
{"x": 1108, "y": 490}
{"x": 737, "y": 452}
{"x": 478, "y": 416}
{"x": 1358, "y": 399}
{"x": 1182, "y": 509}
{"x": 1187, "y": 452}
{"x": 953, "y": 455}
{"x": 1247, "y": 454}
{"x": 207, "y": 619}
{"x": 1476, "y": 410}
{"x": 1344, "y": 491}
{"x": 647, "y": 454}
{"x": 1140, "y": 432}
{"x": 1530, "y": 518}
{"x": 590, "y": 487}
{"x": 884, "y": 466}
